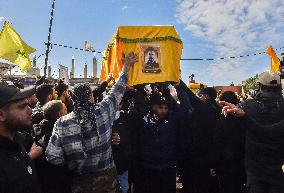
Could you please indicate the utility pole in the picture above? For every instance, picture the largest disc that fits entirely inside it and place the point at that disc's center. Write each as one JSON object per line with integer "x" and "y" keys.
{"x": 48, "y": 38}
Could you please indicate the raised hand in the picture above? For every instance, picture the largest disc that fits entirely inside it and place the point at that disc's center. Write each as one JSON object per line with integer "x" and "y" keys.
{"x": 231, "y": 109}
{"x": 129, "y": 60}
{"x": 109, "y": 77}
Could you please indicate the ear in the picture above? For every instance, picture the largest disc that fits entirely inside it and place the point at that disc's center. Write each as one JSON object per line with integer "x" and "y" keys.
{"x": 49, "y": 97}
{"x": 65, "y": 93}
{"x": 207, "y": 96}
{"x": 3, "y": 115}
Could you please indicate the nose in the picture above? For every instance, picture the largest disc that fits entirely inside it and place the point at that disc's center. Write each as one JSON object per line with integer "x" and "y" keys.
{"x": 29, "y": 110}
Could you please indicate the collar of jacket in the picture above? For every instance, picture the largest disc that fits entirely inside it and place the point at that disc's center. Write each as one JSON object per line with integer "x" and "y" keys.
{"x": 8, "y": 144}
{"x": 267, "y": 95}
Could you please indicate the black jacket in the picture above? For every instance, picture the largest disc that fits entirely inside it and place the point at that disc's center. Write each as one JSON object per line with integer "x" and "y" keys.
{"x": 198, "y": 136}
{"x": 264, "y": 143}
{"x": 17, "y": 173}
{"x": 229, "y": 146}
{"x": 122, "y": 152}
{"x": 156, "y": 142}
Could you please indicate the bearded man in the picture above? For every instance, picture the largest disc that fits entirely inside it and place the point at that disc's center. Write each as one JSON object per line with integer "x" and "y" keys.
{"x": 17, "y": 173}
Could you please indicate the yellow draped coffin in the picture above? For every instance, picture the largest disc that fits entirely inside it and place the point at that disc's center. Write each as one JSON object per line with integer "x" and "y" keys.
{"x": 159, "y": 49}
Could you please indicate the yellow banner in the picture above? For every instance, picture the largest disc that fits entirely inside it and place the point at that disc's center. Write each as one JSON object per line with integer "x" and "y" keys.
{"x": 14, "y": 49}
{"x": 159, "y": 49}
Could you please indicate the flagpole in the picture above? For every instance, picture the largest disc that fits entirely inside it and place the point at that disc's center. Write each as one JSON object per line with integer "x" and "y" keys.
{"x": 48, "y": 38}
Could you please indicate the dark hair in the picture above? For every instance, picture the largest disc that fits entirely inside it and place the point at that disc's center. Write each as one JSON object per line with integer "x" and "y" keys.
{"x": 210, "y": 91}
{"x": 157, "y": 99}
{"x": 60, "y": 87}
{"x": 151, "y": 49}
{"x": 42, "y": 92}
{"x": 230, "y": 97}
{"x": 51, "y": 109}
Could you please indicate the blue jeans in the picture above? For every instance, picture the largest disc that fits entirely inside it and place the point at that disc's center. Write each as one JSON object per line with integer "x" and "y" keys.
{"x": 123, "y": 181}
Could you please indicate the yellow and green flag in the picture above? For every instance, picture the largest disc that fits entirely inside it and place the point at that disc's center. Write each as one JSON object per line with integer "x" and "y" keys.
{"x": 14, "y": 49}
{"x": 275, "y": 62}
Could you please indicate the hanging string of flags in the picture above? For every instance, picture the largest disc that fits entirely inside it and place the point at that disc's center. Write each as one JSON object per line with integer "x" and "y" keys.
{"x": 71, "y": 47}
{"x": 230, "y": 57}
{"x": 183, "y": 59}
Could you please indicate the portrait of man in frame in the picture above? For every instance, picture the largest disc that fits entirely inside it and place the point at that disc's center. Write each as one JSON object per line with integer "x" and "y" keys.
{"x": 151, "y": 58}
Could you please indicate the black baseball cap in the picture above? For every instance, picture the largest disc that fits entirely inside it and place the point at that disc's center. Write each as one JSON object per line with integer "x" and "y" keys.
{"x": 10, "y": 93}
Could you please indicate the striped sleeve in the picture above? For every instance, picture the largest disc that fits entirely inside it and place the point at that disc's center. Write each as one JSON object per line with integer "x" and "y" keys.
{"x": 54, "y": 151}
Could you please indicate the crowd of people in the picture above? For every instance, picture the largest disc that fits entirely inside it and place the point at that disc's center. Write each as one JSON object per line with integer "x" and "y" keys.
{"x": 140, "y": 139}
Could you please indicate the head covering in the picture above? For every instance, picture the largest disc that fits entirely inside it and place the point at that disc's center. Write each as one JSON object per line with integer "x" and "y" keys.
{"x": 229, "y": 96}
{"x": 83, "y": 106}
{"x": 10, "y": 93}
{"x": 269, "y": 79}
{"x": 81, "y": 95}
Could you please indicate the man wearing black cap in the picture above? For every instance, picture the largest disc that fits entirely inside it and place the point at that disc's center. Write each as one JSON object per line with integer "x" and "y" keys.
{"x": 17, "y": 173}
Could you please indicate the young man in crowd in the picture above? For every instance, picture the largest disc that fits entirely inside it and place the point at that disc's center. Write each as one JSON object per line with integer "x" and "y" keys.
{"x": 229, "y": 150}
{"x": 155, "y": 143}
{"x": 122, "y": 150}
{"x": 17, "y": 173}
{"x": 209, "y": 95}
{"x": 44, "y": 93}
{"x": 82, "y": 139}
{"x": 53, "y": 179}
{"x": 263, "y": 117}
{"x": 195, "y": 161}
{"x": 63, "y": 95}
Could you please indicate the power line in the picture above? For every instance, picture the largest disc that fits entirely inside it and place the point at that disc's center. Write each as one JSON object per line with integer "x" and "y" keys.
{"x": 183, "y": 59}
{"x": 71, "y": 47}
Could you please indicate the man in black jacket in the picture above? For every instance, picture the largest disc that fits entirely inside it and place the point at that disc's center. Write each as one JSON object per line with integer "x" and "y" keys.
{"x": 195, "y": 159}
{"x": 122, "y": 150}
{"x": 229, "y": 150}
{"x": 264, "y": 154}
{"x": 155, "y": 144}
{"x": 17, "y": 174}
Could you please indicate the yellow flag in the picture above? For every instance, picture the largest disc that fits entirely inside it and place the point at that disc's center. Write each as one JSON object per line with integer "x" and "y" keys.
{"x": 275, "y": 62}
{"x": 14, "y": 49}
